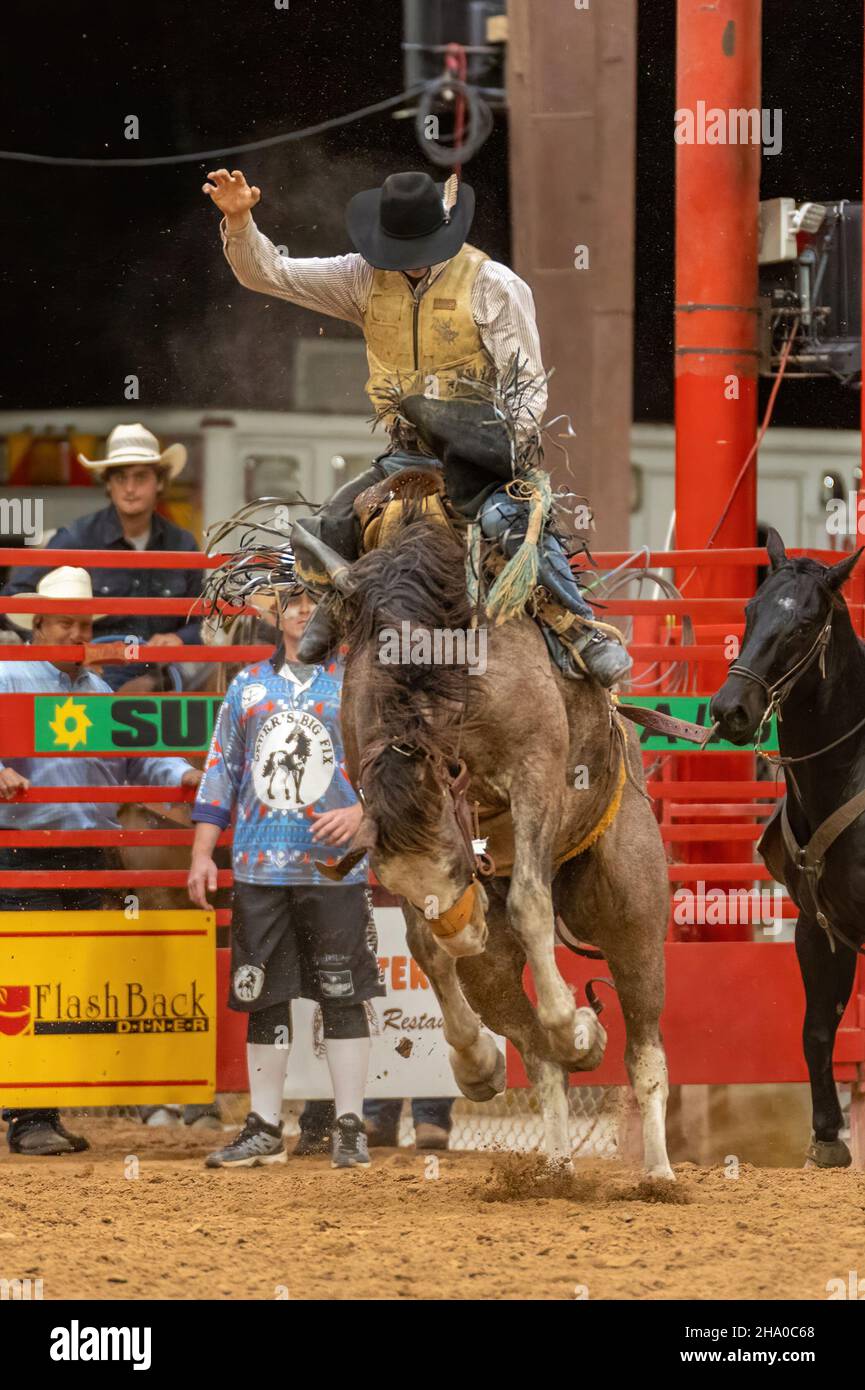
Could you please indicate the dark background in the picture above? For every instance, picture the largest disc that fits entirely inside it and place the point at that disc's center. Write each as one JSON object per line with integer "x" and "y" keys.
{"x": 110, "y": 272}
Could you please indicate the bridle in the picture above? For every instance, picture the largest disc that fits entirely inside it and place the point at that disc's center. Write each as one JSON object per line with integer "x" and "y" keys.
{"x": 452, "y": 781}
{"x": 776, "y": 692}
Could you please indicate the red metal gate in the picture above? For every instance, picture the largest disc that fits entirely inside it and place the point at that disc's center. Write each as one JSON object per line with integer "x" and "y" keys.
{"x": 734, "y": 1007}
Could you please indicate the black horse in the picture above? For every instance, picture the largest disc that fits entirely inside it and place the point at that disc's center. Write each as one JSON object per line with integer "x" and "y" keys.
{"x": 801, "y": 657}
{"x": 290, "y": 761}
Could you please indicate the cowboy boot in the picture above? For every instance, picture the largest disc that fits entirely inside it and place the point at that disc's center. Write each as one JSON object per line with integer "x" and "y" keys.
{"x": 504, "y": 518}
{"x": 604, "y": 658}
{"x": 320, "y": 638}
{"x": 312, "y": 557}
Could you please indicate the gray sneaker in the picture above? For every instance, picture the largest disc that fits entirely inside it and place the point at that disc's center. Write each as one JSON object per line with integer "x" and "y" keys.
{"x": 606, "y": 660}
{"x": 258, "y": 1142}
{"x": 349, "y": 1148}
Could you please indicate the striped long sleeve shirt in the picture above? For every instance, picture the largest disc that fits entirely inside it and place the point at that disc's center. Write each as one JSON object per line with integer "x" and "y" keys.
{"x": 502, "y": 304}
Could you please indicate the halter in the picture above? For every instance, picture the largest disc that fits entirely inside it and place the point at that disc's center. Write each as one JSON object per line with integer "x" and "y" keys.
{"x": 479, "y": 863}
{"x": 777, "y": 692}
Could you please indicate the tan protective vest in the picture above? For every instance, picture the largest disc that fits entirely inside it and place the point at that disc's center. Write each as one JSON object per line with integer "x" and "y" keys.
{"x": 425, "y": 344}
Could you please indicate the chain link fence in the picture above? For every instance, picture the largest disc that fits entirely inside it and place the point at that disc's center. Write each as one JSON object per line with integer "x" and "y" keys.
{"x": 510, "y": 1122}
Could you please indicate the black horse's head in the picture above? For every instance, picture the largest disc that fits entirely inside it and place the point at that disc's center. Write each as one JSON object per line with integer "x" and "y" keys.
{"x": 786, "y": 622}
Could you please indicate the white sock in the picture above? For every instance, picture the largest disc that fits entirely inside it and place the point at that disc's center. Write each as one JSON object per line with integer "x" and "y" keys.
{"x": 267, "y": 1065}
{"x": 348, "y": 1064}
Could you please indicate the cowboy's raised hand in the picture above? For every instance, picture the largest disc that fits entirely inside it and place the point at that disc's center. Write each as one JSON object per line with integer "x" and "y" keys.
{"x": 232, "y": 195}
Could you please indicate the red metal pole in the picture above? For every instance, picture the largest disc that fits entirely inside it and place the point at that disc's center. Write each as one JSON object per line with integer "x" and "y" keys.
{"x": 717, "y": 198}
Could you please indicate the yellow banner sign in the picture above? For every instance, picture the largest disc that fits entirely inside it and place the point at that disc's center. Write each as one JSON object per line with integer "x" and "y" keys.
{"x": 98, "y": 1009}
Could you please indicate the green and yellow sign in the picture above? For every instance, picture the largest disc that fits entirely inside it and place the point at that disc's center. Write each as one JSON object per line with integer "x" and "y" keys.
{"x": 144, "y": 724}
{"x": 123, "y": 723}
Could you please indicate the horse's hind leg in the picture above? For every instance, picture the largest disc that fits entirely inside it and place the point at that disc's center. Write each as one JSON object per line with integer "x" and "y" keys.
{"x": 828, "y": 979}
{"x": 478, "y": 1065}
{"x": 493, "y": 985}
{"x": 641, "y": 999}
{"x": 530, "y": 913}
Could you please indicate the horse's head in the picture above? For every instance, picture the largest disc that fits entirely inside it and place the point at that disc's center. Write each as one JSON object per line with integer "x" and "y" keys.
{"x": 418, "y": 848}
{"x": 787, "y": 626}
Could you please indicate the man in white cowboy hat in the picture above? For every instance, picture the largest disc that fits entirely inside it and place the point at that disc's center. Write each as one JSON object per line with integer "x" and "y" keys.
{"x": 40, "y": 1131}
{"x": 134, "y": 471}
{"x": 435, "y": 313}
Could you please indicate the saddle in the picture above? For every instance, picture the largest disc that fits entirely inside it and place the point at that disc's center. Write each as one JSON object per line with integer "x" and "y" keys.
{"x": 381, "y": 508}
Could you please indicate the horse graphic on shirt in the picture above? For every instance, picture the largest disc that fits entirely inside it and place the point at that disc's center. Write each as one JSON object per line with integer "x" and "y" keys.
{"x": 285, "y": 766}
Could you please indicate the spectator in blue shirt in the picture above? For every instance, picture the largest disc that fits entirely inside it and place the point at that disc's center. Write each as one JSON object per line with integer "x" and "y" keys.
{"x": 135, "y": 473}
{"x": 40, "y": 1131}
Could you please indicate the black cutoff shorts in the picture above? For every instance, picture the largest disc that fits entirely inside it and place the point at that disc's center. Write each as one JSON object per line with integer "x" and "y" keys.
{"x": 302, "y": 942}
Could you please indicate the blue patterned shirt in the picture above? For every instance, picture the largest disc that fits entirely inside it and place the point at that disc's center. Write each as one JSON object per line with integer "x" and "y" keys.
{"x": 275, "y": 758}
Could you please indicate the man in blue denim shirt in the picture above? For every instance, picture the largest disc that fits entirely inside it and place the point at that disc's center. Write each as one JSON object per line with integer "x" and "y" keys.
{"x": 135, "y": 472}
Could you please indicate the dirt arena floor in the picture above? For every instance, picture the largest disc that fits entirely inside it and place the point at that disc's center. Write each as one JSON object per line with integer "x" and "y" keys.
{"x": 90, "y": 1228}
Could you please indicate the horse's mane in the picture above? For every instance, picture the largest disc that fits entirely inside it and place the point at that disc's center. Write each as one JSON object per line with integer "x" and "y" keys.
{"x": 418, "y": 580}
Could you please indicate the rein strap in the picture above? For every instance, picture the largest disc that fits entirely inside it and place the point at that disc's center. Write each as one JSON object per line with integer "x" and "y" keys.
{"x": 810, "y": 861}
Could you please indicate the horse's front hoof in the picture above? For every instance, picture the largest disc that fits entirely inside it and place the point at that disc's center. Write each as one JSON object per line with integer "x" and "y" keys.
{"x": 487, "y": 1089}
{"x": 824, "y": 1153}
{"x": 662, "y": 1172}
{"x": 557, "y": 1165}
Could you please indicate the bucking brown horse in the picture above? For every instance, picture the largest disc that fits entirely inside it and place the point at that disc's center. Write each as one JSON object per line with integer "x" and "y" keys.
{"x": 560, "y": 792}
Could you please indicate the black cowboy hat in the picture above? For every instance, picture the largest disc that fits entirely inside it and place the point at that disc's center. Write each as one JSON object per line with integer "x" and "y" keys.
{"x": 404, "y": 225}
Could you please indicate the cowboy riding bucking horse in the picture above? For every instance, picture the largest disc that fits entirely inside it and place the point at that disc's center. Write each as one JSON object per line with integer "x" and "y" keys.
{"x": 439, "y": 318}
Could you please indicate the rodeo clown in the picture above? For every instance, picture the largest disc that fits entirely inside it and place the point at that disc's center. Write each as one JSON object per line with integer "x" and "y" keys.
{"x": 436, "y": 313}
{"x": 276, "y": 763}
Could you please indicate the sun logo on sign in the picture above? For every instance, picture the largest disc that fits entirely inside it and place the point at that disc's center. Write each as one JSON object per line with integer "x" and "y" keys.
{"x": 70, "y": 724}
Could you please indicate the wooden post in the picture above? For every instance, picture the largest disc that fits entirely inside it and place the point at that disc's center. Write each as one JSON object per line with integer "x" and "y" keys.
{"x": 572, "y": 104}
